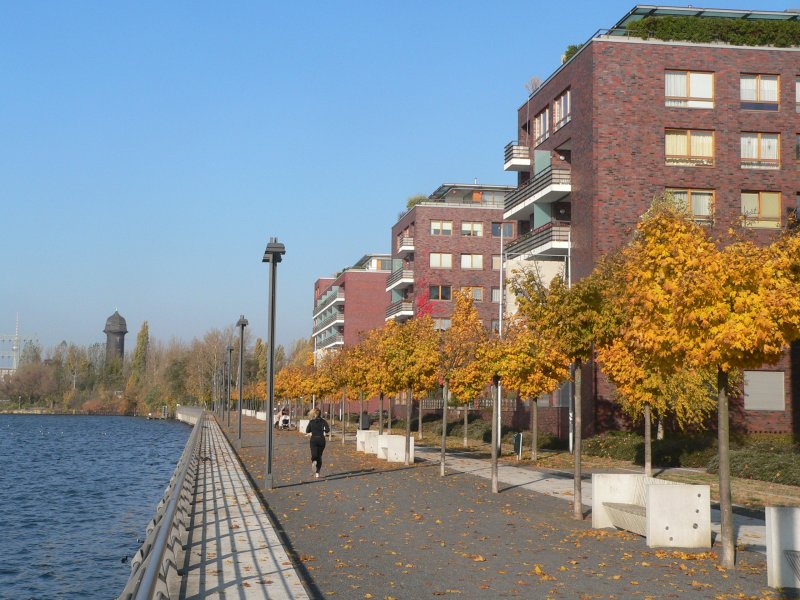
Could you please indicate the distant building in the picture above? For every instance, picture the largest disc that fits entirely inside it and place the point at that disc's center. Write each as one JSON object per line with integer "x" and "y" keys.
{"x": 115, "y": 331}
{"x": 351, "y": 303}
{"x": 448, "y": 242}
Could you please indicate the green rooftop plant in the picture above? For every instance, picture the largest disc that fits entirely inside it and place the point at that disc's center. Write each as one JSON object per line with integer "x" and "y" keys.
{"x": 416, "y": 199}
{"x": 571, "y": 51}
{"x": 738, "y": 32}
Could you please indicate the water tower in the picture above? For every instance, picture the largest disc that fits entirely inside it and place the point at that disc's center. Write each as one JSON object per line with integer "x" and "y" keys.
{"x": 115, "y": 331}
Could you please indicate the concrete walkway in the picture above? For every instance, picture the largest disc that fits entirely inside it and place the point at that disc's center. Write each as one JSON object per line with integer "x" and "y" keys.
{"x": 232, "y": 549}
{"x": 750, "y": 532}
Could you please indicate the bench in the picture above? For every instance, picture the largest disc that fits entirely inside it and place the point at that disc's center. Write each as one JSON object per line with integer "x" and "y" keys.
{"x": 362, "y": 435}
{"x": 783, "y": 541}
{"x": 668, "y": 514}
{"x": 393, "y": 448}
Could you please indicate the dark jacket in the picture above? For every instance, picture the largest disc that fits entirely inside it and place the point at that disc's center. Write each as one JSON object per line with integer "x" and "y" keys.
{"x": 318, "y": 427}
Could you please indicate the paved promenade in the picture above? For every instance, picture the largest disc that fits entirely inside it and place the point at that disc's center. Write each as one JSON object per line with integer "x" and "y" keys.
{"x": 372, "y": 530}
{"x": 232, "y": 550}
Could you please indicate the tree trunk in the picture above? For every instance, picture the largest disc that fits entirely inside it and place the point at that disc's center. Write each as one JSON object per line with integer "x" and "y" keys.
{"x": 344, "y": 421}
{"x": 419, "y": 421}
{"x": 409, "y": 402}
{"x": 534, "y": 430}
{"x": 648, "y": 446}
{"x": 380, "y": 416}
{"x": 390, "y": 416}
{"x": 577, "y": 507}
{"x": 444, "y": 429}
{"x": 660, "y": 429}
{"x": 360, "y": 406}
{"x": 466, "y": 424}
{"x": 495, "y": 434}
{"x": 727, "y": 556}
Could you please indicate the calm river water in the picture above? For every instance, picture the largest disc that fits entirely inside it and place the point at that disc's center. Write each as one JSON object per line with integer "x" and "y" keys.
{"x": 75, "y": 496}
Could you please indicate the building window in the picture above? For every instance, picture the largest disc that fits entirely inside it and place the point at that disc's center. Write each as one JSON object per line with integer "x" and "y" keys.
{"x": 495, "y": 326}
{"x": 541, "y": 126}
{"x": 496, "y": 295}
{"x": 699, "y": 202}
{"x": 439, "y": 292}
{"x": 561, "y": 110}
{"x": 472, "y": 261}
{"x": 507, "y": 229}
{"x": 797, "y": 146}
{"x": 763, "y": 390}
{"x": 384, "y": 264}
{"x": 759, "y": 92}
{"x": 441, "y": 260}
{"x": 471, "y": 229}
{"x": 442, "y": 228}
{"x": 797, "y": 94}
{"x": 689, "y": 89}
{"x": 689, "y": 147}
{"x": 761, "y": 151}
{"x": 441, "y": 324}
{"x": 761, "y": 209}
{"x": 476, "y": 293}
{"x": 496, "y": 262}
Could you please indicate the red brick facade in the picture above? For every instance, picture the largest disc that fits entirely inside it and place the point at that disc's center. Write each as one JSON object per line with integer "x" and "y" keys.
{"x": 615, "y": 147}
{"x": 416, "y": 224}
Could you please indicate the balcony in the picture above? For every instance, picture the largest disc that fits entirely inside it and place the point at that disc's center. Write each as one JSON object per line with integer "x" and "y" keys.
{"x": 405, "y": 246}
{"x": 400, "y": 310}
{"x": 333, "y": 297}
{"x": 335, "y": 319}
{"x": 517, "y": 157}
{"x": 548, "y": 186}
{"x": 330, "y": 341}
{"x": 551, "y": 239}
{"x": 400, "y": 279}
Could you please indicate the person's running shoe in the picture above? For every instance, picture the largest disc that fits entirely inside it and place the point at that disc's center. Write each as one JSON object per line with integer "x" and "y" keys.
{"x": 316, "y": 475}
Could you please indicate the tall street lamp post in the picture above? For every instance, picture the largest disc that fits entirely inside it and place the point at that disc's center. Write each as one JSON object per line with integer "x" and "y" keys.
{"x": 241, "y": 324}
{"x": 272, "y": 255}
{"x": 228, "y": 399}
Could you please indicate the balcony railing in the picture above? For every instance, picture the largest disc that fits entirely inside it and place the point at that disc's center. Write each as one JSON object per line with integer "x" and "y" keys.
{"x": 516, "y": 157}
{"x": 399, "y": 279}
{"x": 332, "y": 297}
{"x": 549, "y": 177}
{"x": 554, "y": 235}
{"x": 405, "y": 244}
{"x": 330, "y": 340}
{"x": 328, "y": 321}
{"x": 400, "y": 309}
{"x": 760, "y": 163}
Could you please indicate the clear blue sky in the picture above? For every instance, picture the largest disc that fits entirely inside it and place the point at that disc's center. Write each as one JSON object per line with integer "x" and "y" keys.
{"x": 149, "y": 149}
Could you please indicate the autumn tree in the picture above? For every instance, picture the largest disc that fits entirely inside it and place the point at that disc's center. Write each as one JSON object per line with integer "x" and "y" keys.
{"x": 698, "y": 307}
{"x": 463, "y": 376}
{"x": 133, "y": 388}
{"x": 410, "y": 353}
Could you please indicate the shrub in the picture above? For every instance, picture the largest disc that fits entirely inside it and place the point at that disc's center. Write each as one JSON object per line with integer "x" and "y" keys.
{"x": 738, "y": 32}
{"x": 762, "y": 464}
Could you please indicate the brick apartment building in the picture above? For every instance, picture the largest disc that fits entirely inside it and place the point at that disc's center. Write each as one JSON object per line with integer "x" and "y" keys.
{"x": 449, "y": 242}
{"x": 626, "y": 119}
{"x": 351, "y": 303}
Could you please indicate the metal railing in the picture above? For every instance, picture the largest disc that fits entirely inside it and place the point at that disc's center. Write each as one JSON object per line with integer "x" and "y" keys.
{"x": 401, "y": 306}
{"x": 405, "y": 241}
{"x": 399, "y": 275}
{"x": 515, "y": 151}
{"x": 330, "y": 340}
{"x": 157, "y": 558}
{"x": 328, "y": 321}
{"x": 545, "y": 178}
{"x": 555, "y": 231}
{"x": 331, "y": 297}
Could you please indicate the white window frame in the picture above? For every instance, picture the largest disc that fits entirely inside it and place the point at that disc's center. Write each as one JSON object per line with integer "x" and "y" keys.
{"x": 562, "y": 109}
{"x": 541, "y": 126}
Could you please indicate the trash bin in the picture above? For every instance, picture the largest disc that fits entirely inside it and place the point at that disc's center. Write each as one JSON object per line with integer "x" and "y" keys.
{"x": 366, "y": 422}
{"x": 518, "y": 444}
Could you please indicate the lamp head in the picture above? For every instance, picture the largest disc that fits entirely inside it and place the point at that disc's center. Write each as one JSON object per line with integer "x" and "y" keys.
{"x": 242, "y": 322}
{"x": 275, "y": 250}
